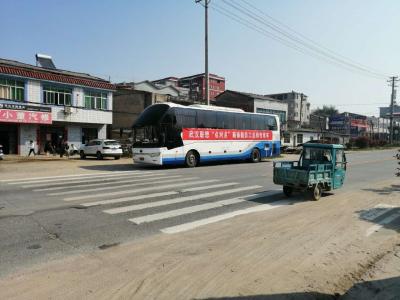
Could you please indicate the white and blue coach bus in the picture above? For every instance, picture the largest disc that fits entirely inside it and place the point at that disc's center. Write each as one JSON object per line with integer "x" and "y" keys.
{"x": 171, "y": 134}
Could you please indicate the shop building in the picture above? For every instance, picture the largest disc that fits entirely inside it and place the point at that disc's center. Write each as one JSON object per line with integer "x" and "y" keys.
{"x": 50, "y": 106}
{"x": 351, "y": 124}
{"x": 254, "y": 103}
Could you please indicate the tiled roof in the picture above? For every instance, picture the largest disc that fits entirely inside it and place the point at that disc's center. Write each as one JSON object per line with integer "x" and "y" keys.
{"x": 251, "y": 95}
{"x": 202, "y": 75}
{"x": 25, "y": 70}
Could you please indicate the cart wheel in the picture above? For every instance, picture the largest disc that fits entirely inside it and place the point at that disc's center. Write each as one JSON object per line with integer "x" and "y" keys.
{"x": 316, "y": 192}
{"x": 288, "y": 191}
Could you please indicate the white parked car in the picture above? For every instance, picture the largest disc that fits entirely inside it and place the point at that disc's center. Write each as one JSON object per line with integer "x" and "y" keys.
{"x": 101, "y": 148}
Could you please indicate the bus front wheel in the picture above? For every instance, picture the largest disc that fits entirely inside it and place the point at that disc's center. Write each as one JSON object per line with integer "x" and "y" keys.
{"x": 255, "y": 156}
{"x": 191, "y": 159}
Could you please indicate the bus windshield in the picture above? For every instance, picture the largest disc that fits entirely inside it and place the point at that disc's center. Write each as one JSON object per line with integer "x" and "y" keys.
{"x": 156, "y": 127}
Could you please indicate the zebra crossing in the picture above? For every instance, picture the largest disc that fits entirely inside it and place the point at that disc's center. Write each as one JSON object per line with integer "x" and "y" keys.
{"x": 173, "y": 201}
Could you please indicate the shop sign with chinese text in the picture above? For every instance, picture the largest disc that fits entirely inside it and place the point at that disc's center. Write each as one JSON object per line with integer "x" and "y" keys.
{"x": 23, "y": 116}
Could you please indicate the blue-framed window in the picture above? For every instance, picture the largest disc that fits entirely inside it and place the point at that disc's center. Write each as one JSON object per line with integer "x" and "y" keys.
{"x": 95, "y": 100}
{"x": 12, "y": 89}
{"x": 57, "y": 96}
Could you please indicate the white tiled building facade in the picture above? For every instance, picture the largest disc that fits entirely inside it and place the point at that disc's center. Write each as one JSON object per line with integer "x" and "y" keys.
{"x": 85, "y": 115}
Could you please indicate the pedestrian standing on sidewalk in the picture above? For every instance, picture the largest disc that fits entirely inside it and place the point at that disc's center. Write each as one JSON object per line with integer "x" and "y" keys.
{"x": 31, "y": 147}
{"x": 64, "y": 149}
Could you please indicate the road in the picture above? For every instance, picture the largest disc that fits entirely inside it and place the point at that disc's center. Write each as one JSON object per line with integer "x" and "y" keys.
{"x": 54, "y": 210}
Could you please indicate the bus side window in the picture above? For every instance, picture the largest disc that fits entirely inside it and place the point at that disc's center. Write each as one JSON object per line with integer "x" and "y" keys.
{"x": 220, "y": 120}
{"x": 254, "y": 121}
{"x": 206, "y": 119}
{"x": 201, "y": 119}
{"x": 230, "y": 121}
{"x": 246, "y": 121}
{"x": 238, "y": 121}
{"x": 186, "y": 118}
{"x": 260, "y": 123}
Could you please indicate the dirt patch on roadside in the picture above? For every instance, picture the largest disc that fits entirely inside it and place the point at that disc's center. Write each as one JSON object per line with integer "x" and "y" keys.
{"x": 309, "y": 250}
{"x": 380, "y": 281}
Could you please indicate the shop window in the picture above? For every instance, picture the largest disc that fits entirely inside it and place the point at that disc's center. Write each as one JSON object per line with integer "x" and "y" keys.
{"x": 57, "y": 96}
{"x": 96, "y": 100}
{"x": 12, "y": 89}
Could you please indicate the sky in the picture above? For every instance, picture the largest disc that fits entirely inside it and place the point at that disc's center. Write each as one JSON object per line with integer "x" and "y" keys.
{"x": 135, "y": 40}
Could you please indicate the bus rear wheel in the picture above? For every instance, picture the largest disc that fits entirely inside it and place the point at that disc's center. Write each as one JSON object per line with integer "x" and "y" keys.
{"x": 191, "y": 159}
{"x": 255, "y": 156}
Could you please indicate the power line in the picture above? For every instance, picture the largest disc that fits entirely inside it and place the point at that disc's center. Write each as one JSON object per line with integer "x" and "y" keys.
{"x": 293, "y": 40}
{"x": 310, "y": 40}
{"x": 279, "y": 39}
{"x": 361, "y": 104}
{"x": 296, "y": 39}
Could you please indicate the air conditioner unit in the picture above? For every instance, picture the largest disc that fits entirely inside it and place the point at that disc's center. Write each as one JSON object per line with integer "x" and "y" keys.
{"x": 68, "y": 110}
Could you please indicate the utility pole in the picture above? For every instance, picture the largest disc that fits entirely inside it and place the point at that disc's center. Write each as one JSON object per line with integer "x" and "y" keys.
{"x": 392, "y": 81}
{"x": 207, "y": 75}
{"x": 301, "y": 107}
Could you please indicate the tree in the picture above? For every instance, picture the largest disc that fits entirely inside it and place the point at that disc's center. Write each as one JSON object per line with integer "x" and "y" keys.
{"x": 326, "y": 111}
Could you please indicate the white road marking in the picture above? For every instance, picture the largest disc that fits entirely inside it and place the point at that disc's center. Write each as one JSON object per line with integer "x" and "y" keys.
{"x": 132, "y": 198}
{"x": 33, "y": 182}
{"x": 135, "y": 191}
{"x": 18, "y": 181}
{"x": 195, "y": 224}
{"x": 145, "y": 180}
{"x": 90, "y": 179}
{"x": 193, "y": 209}
{"x": 121, "y": 186}
{"x": 381, "y": 223}
{"x": 208, "y": 187}
{"x": 124, "y": 209}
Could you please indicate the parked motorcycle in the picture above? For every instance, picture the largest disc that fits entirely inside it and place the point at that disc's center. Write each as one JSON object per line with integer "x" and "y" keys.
{"x": 398, "y": 158}
{"x": 1, "y": 152}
